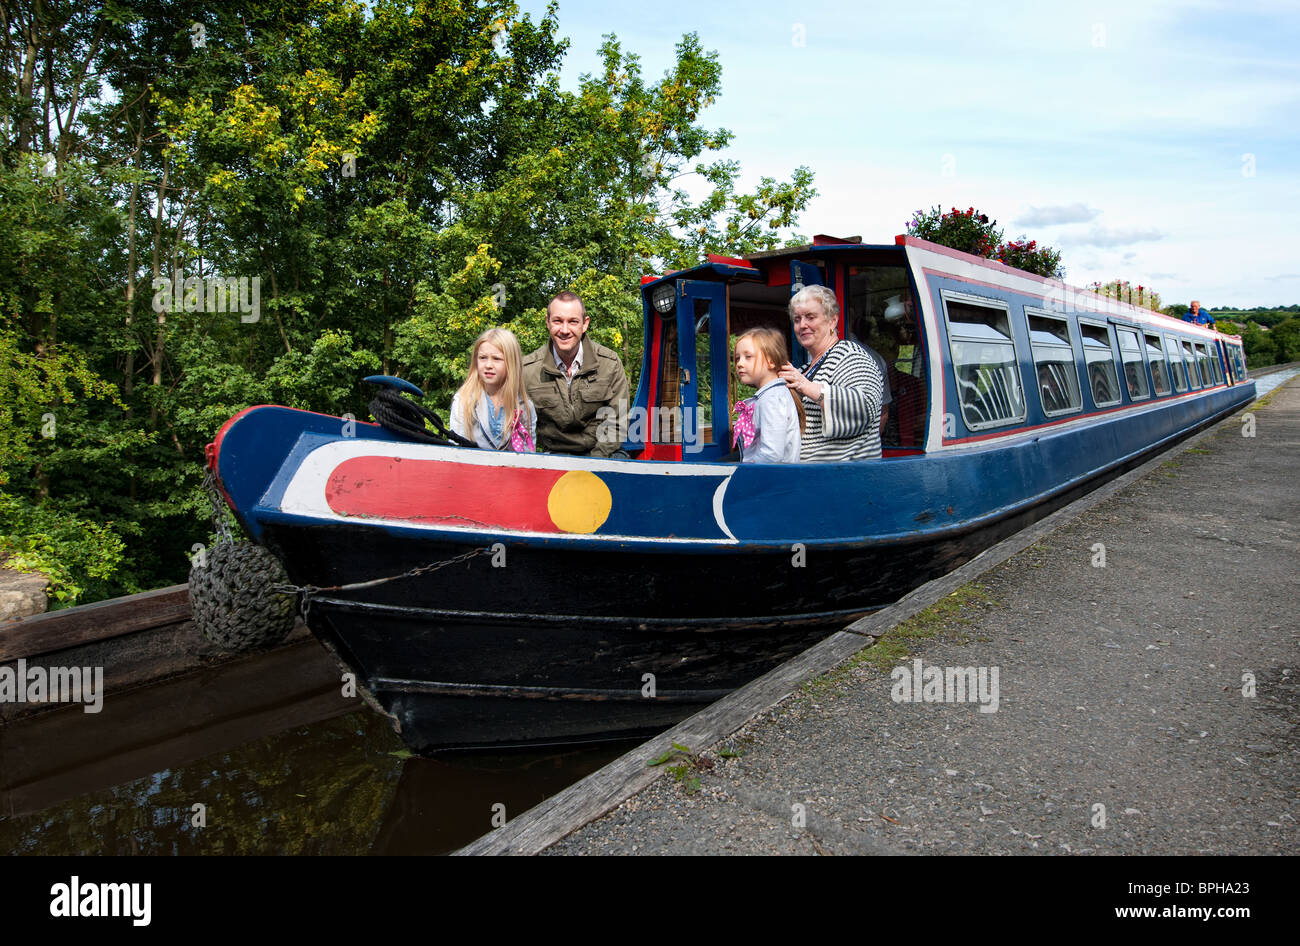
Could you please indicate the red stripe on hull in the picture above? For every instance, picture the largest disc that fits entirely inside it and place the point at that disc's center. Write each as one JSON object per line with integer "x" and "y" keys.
{"x": 438, "y": 491}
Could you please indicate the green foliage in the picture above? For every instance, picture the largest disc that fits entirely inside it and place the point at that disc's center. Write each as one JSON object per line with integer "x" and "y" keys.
{"x": 77, "y": 554}
{"x": 1286, "y": 338}
{"x": 326, "y": 379}
{"x": 1264, "y": 347}
{"x": 397, "y": 177}
{"x": 688, "y": 766}
{"x": 1268, "y": 316}
{"x": 48, "y": 432}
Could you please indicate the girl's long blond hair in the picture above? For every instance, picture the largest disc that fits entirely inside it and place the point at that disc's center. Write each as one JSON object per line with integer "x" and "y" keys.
{"x": 770, "y": 344}
{"x": 512, "y": 388}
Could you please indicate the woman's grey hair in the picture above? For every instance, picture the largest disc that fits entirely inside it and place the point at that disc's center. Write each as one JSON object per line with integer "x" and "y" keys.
{"x": 823, "y": 296}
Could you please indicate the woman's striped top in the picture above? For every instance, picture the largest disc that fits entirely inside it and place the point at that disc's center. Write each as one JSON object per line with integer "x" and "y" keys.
{"x": 846, "y": 425}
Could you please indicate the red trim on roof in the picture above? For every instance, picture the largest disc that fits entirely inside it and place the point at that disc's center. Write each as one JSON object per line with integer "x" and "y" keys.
{"x": 729, "y": 260}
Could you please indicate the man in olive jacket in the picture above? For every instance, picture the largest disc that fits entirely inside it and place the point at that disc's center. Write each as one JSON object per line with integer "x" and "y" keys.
{"x": 579, "y": 387}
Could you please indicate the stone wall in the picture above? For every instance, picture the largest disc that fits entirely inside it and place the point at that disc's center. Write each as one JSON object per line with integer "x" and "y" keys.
{"x": 22, "y": 594}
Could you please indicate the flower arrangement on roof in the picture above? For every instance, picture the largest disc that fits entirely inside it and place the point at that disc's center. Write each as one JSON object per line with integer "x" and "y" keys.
{"x": 973, "y": 232}
{"x": 1124, "y": 291}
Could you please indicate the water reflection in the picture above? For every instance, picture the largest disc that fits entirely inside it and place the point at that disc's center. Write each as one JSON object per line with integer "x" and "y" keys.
{"x": 343, "y": 786}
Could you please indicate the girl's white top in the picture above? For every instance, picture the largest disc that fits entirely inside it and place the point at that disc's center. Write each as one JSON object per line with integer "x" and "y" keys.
{"x": 776, "y": 426}
{"x": 482, "y": 432}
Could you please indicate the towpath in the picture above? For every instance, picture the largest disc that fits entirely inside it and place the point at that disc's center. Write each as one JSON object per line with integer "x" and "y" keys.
{"x": 1126, "y": 685}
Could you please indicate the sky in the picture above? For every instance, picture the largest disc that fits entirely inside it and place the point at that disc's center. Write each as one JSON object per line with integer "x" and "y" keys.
{"x": 1152, "y": 141}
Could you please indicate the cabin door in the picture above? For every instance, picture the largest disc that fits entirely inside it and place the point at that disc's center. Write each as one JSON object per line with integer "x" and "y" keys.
{"x": 801, "y": 274}
{"x": 703, "y": 363}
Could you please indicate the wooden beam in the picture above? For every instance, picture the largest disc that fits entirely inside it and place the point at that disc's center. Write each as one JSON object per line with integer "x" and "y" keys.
{"x": 59, "y": 630}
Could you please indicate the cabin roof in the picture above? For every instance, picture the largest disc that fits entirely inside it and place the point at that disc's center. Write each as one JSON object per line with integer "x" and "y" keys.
{"x": 716, "y": 265}
{"x": 820, "y": 243}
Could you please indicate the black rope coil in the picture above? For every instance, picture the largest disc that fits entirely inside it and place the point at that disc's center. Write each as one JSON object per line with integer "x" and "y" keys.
{"x": 406, "y": 418}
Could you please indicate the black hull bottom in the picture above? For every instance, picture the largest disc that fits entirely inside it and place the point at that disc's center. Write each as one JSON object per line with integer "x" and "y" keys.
{"x": 586, "y": 666}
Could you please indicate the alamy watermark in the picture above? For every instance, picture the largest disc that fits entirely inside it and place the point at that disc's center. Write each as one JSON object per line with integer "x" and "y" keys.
{"x": 922, "y": 684}
{"x": 210, "y": 294}
{"x": 88, "y": 899}
{"x": 24, "y": 684}
{"x": 651, "y": 425}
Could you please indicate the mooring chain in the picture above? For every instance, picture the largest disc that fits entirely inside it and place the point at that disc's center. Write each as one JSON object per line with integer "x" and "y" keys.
{"x": 220, "y": 514}
{"x": 310, "y": 591}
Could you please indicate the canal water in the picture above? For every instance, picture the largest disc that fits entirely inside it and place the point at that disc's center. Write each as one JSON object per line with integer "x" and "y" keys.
{"x": 1270, "y": 381}
{"x": 344, "y": 785}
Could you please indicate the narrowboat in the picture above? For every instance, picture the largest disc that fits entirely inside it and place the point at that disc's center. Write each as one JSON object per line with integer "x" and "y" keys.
{"x": 549, "y": 599}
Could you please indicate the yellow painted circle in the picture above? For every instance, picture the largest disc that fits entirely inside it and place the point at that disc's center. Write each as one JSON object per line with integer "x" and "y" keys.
{"x": 579, "y": 502}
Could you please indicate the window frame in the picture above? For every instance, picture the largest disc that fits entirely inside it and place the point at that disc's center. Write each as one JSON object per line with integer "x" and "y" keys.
{"x": 1115, "y": 368}
{"x": 1189, "y": 355}
{"x": 1181, "y": 374}
{"x": 1164, "y": 360}
{"x": 948, "y": 296}
{"x": 1141, "y": 361}
{"x": 1032, "y": 312}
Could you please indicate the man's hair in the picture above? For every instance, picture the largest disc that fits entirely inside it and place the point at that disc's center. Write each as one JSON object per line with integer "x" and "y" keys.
{"x": 566, "y": 296}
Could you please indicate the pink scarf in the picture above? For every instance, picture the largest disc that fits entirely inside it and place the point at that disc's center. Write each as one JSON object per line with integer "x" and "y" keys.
{"x": 744, "y": 432}
{"x": 520, "y": 441}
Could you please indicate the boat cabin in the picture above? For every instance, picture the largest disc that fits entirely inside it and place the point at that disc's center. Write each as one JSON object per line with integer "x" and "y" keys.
{"x": 973, "y": 349}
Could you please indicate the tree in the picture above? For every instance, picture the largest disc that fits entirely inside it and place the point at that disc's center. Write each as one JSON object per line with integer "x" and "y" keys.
{"x": 390, "y": 177}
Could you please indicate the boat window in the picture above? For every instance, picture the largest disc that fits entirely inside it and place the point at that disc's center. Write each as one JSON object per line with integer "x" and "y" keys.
{"x": 1100, "y": 360}
{"x": 667, "y": 425}
{"x": 1058, "y": 375}
{"x": 1189, "y": 356}
{"x": 984, "y": 365}
{"x": 1176, "y": 366}
{"x": 1135, "y": 372}
{"x": 1203, "y": 364}
{"x": 703, "y": 371}
{"x": 1239, "y": 363}
{"x": 1215, "y": 367}
{"x": 1159, "y": 371}
{"x": 879, "y": 314}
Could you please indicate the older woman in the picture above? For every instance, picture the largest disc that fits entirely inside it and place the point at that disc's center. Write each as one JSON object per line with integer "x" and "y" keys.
{"x": 841, "y": 388}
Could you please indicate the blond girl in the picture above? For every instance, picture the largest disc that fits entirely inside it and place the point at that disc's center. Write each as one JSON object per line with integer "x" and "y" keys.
{"x": 492, "y": 406}
{"x": 770, "y": 424}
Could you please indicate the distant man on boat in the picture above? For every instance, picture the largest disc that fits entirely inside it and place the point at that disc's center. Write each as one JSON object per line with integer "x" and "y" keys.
{"x": 1198, "y": 315}
{"x": 570, "y": 380}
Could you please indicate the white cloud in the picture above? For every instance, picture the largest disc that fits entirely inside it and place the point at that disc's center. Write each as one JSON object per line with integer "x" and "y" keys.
{"x": 1051, "y": 216}
{"x": 1113, "y": 236}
